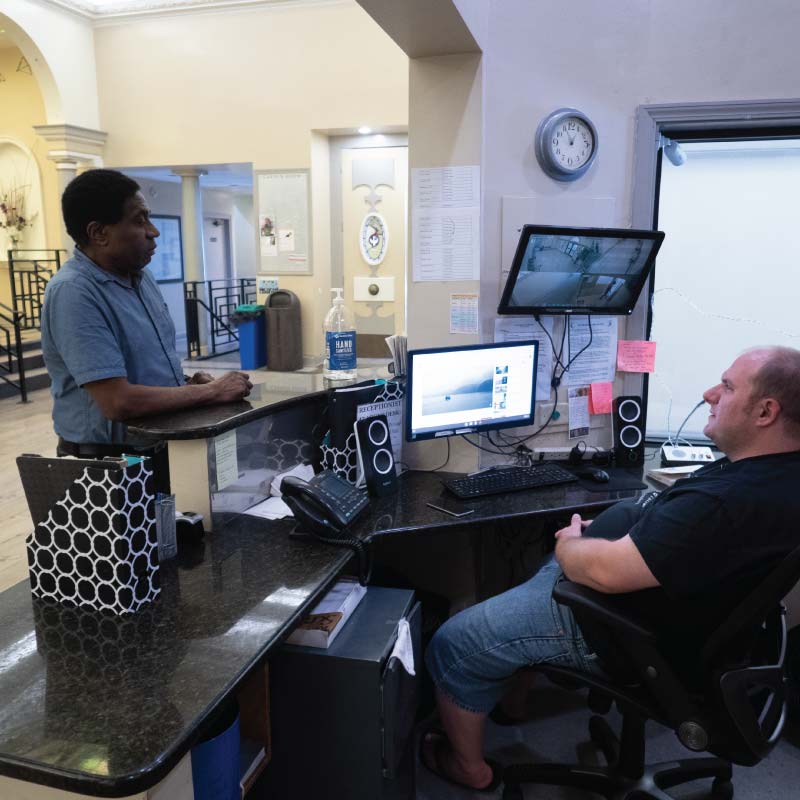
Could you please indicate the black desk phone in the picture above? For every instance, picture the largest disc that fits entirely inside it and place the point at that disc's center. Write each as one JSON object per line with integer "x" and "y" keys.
{"x": 324, "y": 506}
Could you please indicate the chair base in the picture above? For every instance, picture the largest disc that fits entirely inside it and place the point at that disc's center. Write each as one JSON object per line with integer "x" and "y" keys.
{"x": 625, "y": 777}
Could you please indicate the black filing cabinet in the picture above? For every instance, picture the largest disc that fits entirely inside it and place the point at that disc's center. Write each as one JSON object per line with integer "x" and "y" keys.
{"x": 342, "y": 717}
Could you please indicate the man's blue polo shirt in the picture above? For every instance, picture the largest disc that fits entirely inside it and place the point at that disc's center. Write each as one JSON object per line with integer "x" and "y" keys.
{"x": 97, "y": 326}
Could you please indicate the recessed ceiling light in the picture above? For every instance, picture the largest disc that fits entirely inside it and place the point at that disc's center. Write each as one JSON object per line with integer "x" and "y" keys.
{"x": 364, "y": 130}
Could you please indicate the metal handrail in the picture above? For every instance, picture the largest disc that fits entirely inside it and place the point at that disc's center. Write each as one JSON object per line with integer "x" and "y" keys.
{"x": 222, "y": 294}
{"x": 14, "y": 320}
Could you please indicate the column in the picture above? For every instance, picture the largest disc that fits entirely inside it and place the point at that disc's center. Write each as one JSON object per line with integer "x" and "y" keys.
{"x": 71, "y": 148}
{"x": 66, "y": 169}
{"x": 192, "y": 239}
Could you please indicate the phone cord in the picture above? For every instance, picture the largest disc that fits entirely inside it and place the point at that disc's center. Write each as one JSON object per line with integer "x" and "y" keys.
{"x": 363, "y": 554}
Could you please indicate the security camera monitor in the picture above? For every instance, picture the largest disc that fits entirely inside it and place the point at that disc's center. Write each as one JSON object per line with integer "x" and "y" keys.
{"x": 455, "y": 390}
{"x": 579, "y": 270}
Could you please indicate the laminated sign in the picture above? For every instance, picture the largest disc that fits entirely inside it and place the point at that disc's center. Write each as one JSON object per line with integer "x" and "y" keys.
{"x": 95, "y": 542}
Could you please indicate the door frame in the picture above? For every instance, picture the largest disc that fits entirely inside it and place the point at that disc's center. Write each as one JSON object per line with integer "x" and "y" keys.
{"x": 654, "y": 121}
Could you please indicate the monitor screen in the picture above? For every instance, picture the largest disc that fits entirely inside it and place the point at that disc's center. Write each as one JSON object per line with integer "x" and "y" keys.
{"x": 578, "y": 270}
{"x": 455, "y": 390}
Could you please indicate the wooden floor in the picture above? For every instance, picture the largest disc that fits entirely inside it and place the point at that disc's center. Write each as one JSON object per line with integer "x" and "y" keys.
{"x": 28, "y": 428}
{"x": 24, "y": 428}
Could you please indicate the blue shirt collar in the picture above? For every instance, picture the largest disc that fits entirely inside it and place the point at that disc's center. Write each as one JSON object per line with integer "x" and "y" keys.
{"x": 98, "y": 273}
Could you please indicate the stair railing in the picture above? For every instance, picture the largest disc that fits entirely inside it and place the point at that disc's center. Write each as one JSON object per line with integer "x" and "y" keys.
{"x": 11, "y": 321}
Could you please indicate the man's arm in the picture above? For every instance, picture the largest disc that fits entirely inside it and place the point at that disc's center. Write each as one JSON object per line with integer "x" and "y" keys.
{"x": 610, "y": 567}
{"x": 119, "y": 400}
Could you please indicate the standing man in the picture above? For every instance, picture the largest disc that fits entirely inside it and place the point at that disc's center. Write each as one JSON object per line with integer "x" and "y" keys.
{"x": 682, "y": 558}
{"x": 107, "y": 336}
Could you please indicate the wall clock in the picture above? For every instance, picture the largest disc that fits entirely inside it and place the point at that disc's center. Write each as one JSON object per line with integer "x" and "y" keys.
{"x": 373, "y": 239}
{"x": 566, "y": 144}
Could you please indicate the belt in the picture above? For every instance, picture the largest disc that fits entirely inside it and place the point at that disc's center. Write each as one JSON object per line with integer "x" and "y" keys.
{"x": 89, "y": 449}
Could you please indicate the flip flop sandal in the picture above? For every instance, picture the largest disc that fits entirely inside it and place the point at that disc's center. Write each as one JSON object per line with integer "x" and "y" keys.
{"x": 436, "y": 767}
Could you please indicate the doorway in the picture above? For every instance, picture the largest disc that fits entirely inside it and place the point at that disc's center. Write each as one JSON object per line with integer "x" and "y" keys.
{"x": 369, "y": 191}
{"x": 217, "y": 248}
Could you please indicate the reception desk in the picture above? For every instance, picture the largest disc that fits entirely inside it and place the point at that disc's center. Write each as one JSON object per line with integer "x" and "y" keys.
{"x": 104, "y": 706}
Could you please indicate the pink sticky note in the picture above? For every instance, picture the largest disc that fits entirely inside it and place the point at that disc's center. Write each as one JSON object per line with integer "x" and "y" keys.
{"x": 636, "y": 356}
{"x": 600, "y": 397}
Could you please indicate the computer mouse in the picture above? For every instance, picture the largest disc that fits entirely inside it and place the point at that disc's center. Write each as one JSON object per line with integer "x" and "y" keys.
{"x": 596, "y": 475}
{"x": 599, "y": 475}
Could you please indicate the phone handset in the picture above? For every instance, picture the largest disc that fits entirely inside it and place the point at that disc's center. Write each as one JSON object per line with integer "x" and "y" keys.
{"x": 325, "y": 507}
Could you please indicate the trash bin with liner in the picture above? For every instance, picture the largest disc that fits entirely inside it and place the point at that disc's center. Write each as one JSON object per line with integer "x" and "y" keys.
{"x": 250, "y": 320}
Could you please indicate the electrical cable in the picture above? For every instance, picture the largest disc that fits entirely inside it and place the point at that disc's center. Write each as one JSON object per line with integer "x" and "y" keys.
{"x": 446, "y": 461}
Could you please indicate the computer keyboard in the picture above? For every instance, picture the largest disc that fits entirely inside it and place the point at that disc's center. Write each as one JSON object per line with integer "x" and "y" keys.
{"x": 508, "y": 479}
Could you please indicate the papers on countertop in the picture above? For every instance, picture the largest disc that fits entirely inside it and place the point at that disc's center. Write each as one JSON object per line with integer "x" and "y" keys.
{"x": 273, "y": 507}
{"x": 398, "y": 347}
{"x": 302, "y": 471}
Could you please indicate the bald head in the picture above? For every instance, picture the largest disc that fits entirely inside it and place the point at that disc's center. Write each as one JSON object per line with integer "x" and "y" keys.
{"x": 777, "y": 375}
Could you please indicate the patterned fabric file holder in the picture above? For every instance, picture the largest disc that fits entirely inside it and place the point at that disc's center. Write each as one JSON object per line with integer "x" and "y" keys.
{"x": 97, "y": 545}
{"x": 338, "y": 448}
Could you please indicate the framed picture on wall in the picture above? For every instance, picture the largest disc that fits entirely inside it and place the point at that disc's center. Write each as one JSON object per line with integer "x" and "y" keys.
{"x": 283, "y": 231}
{"x": 167, "y": 262}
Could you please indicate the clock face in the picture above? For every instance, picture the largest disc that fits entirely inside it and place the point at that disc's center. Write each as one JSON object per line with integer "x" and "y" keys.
{"x": 373, "y": 239}
{"x": 566, "y": 144}
{"x": 572, "y": 143}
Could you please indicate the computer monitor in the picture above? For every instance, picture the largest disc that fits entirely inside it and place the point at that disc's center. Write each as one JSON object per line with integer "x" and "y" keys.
{"x": 455, "y": 390}
{"x": 560, "y": 270}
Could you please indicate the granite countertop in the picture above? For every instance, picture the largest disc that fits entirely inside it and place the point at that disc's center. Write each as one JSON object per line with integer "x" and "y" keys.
{"x": 107, "y": 706}
{"x": 278, "y": 390}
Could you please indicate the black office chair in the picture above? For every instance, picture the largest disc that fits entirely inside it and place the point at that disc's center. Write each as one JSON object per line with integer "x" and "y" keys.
{"x": 736, "y": 712}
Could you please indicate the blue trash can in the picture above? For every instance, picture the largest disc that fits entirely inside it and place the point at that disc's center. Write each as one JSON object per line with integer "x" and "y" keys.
{"x": 215, "y": 765}
{"x": 252, "y": 335}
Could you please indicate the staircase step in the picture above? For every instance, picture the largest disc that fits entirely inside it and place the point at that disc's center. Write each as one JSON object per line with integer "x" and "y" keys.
{"x": 35, "y": 379}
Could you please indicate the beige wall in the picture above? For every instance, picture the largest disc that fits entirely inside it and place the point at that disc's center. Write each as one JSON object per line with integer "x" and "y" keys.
{"x": 444, "y": 130}
{"x": 250, "y": 86}
{"x": 22, "y": 108}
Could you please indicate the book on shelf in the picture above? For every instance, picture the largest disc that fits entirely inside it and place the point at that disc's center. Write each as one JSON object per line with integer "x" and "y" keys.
{"x": 669, "y": 475}
{"x": 323, "y": 624}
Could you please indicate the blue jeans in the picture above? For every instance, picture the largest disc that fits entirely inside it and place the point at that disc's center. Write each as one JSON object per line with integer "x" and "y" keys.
{"x": 472, "y": 658}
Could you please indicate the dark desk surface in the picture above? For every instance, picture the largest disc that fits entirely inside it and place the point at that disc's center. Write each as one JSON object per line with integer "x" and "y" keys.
{"x": 108, "y": 705}
{"x": 278, "y": 390}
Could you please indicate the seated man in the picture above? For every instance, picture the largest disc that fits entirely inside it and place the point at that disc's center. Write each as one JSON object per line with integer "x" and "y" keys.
{"x": 683, "y": 558}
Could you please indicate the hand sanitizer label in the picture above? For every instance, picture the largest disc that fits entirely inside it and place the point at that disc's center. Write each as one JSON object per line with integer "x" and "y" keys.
{"x": 341, "y": 349}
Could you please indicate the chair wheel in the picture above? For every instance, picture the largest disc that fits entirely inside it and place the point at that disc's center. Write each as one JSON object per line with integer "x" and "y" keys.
{"x": 722, "y": 788}
{"x": 512, "y": 792}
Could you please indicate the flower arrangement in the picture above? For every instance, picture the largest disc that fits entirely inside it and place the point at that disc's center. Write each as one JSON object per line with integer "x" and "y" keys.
{"x": 12, "y": 212}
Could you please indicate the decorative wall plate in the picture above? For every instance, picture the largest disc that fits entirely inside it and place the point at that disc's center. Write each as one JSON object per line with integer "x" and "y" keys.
{"x": 373, "y": 238}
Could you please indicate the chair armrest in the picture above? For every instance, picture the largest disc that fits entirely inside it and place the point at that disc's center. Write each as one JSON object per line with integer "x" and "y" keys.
{"x": 600, "y": 608}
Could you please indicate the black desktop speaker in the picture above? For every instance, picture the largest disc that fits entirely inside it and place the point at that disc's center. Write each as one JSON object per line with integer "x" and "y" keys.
{"x": 628, "y": 423}
{"x": 375, "y": 455}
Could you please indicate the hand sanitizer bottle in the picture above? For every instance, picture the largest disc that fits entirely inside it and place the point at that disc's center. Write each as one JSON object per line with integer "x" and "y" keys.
{"x": 340, "y": 341}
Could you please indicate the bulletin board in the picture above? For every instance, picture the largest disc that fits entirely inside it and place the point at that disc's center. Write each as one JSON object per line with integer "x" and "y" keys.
{"x": 283, "y": 226}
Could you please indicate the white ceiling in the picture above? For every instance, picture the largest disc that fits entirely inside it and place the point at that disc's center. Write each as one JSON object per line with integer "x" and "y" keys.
{"x": 100, "y": 9}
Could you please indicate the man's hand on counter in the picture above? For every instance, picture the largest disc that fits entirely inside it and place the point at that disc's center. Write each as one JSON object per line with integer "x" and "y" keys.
{"x": 200, "y": 377}
{"x": 120, "y": 400}
{"x": 231, "y": 386}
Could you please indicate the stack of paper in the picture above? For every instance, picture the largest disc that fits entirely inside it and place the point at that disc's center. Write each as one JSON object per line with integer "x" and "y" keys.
{"x": 273, "y": 507}
{"x": 398, "y": 347}
{"x": 669, "y": 475}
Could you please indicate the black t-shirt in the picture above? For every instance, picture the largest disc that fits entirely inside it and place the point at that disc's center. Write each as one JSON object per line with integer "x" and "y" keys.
{"x": 709, "y": 540}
